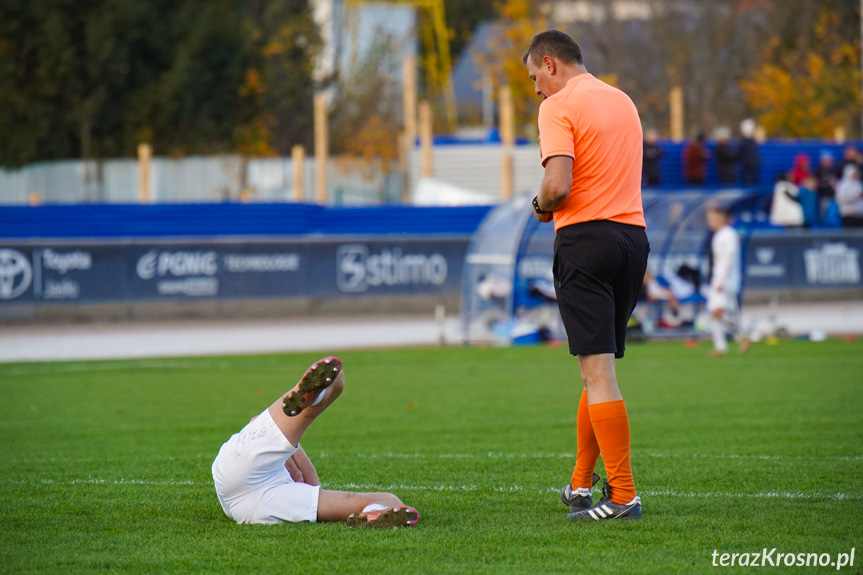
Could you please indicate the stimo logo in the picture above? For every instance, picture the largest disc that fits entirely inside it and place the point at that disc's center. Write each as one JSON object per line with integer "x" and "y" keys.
{"x": 357, "y": 269}
{"x": 179, "y": 264}
{"x": 15, "y": 273}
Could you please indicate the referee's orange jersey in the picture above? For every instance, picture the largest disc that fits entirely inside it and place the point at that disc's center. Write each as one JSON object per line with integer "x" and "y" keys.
{"x": 597, "y": 126}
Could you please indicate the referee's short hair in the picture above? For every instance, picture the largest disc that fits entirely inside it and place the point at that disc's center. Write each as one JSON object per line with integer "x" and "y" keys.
{"x": 553, "y": 43}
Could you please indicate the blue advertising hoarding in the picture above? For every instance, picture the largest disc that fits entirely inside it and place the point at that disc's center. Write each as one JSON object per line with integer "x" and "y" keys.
{"x": 105, "y": 272}
{"x": 811, "y": 261}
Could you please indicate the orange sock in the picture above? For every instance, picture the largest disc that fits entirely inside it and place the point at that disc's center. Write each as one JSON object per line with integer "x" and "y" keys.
{"x": 611, "y": 426}
{"x": 588, "y": 448}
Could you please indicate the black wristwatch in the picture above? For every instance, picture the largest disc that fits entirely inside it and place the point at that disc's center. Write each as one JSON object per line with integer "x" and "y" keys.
{"x": 536, "y": 207}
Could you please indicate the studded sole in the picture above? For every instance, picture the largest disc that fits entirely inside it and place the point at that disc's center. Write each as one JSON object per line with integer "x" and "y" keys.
{"x": 318, "y": 377}
{"x": 392, "y": 518}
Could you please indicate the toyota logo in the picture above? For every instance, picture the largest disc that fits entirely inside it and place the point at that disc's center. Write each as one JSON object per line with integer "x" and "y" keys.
{"x": 15, "y": 273}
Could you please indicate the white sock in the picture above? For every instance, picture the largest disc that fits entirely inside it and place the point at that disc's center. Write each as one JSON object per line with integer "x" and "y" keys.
{"x": 374, "y": 507}
{"x": 319, "y": 398}
{"x": 719, "y": 342}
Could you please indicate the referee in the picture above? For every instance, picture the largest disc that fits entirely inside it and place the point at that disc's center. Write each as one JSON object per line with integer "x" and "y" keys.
{"x": 591, "y": 146}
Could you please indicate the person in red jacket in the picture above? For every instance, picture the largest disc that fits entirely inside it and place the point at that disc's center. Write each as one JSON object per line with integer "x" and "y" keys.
{"x": 695, "y": 157}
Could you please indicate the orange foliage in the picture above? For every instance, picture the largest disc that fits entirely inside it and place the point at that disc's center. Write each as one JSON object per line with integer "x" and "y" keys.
{"x": 810, "y": 91}
{"x": 374, "y": 147}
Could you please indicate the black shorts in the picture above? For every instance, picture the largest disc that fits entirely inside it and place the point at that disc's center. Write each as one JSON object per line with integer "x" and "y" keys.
{"x": 598, "y": 271}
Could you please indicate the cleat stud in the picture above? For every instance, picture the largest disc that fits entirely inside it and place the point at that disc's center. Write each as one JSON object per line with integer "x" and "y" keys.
{"x": 329, "y": 379}
{"x": 315, "y": 366}
{"x": 327, "y": 361}
{"x": 335, "y": 369}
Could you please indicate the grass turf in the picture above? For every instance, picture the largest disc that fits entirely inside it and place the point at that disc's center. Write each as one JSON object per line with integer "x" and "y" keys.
{"x": 106, "y": 465}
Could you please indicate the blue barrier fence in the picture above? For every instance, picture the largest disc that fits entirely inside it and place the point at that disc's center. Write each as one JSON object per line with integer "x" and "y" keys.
{"x": 231, "y": 219}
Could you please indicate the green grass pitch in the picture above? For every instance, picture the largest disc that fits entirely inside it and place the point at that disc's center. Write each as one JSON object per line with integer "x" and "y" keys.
{"x": 106, "y": 465}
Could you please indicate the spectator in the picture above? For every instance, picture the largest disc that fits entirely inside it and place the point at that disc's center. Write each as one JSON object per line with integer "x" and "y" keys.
{"x": 748, "y": 154}
{"x": 849, "y": 156}
{"x": 800, "y": 171}
{"x": 825, "y": 180}
{"x": 695, "y": 161}
{"x": 652, "y": 155}
{"x": 849, "y": 196}
{"x": 807, "y": 197}
{"x": 726, "y": 157}
{"x": 785, "y": 210}
{"x": 832, "y": 218}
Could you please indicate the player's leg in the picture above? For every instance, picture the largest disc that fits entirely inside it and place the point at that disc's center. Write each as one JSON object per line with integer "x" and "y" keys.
{"x": 734, "y": 322}
{"x": 365, "y": 509}
{"x": 319, "y": 387}
{"x": 717, "y": 302}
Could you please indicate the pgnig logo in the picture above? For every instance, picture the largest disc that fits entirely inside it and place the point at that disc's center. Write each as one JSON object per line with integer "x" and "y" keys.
{"x": 15, "y": 273}
{"x": 358, "y": 270}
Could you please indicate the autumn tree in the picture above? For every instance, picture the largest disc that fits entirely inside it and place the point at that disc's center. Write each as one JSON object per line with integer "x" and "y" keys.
{"x": 93, "y": 79}
{"x": 809, "y": 84}
{"x": 520, "y": 21}
{"x": 366, "y": 113}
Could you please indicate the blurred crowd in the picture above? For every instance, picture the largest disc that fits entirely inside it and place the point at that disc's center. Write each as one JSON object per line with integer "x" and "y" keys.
{"x": 828, "y": 194}
{"x": 736, "y": 165}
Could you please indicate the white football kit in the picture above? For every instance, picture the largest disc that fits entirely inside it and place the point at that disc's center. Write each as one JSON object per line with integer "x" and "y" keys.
{"x": 252, "y": 483}
{"x": 725, "y": 247}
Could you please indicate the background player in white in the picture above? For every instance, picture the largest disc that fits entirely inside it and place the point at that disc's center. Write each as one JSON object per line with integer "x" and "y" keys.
{"x": 262, "y": 475}
{"x": 725, "y": 282}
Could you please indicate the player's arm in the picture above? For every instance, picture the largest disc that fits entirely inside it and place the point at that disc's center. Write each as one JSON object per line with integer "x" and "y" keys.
{"x": 301, "y": 469}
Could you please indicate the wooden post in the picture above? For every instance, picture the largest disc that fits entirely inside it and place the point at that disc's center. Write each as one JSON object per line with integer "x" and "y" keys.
{"x": 507, "y": 137}
{"x": 321, "y": 149}
{"x": 409, "y": 109}
{"x": 145, "y": 152}
{"x": 409, "y": 99}
{"x": 675, "y": 101}
{"x": 839, "y": 134}
{"x": 425, "y": 126}
{"x": 298, "y": 158}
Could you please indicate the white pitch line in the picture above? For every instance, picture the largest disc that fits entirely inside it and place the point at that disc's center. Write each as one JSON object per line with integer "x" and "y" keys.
{"x": 57, "y": 369}
{"x": 636, "y": 455}
{"x": 456, "y": 488}
{"x": 511, "y": 488}
{"x": 94, "y": 481}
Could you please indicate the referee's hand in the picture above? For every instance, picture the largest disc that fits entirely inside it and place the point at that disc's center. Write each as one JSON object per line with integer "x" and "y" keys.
{"x": 544, "y": 217}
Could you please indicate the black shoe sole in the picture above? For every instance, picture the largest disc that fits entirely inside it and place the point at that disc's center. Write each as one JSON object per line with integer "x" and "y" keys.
{"x": 318, "y": 377}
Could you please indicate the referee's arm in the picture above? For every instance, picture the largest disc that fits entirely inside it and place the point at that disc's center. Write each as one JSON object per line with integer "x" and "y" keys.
{"x": 556, "y": 183}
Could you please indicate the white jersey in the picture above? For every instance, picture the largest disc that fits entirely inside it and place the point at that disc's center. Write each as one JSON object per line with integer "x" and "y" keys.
{"x": 725, "y": 247}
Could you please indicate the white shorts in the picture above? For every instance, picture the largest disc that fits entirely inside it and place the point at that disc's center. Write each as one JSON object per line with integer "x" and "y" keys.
{"x": 251, "y": 480}
{"x": 726, "y": 301}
